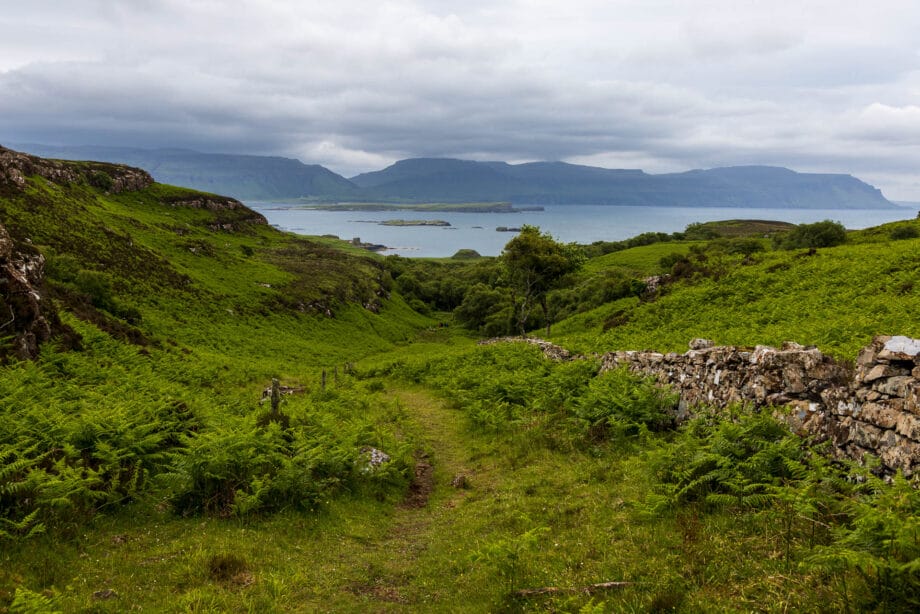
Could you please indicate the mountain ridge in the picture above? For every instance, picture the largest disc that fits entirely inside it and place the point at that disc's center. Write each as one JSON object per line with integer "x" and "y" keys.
{"x": 249, "y": 177}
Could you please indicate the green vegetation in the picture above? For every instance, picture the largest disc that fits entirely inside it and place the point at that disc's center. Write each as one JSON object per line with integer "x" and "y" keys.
{"x": 399, "y": 466}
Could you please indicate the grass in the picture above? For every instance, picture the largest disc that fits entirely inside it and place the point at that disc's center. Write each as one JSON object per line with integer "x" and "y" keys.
{"x": 462, "y": 551}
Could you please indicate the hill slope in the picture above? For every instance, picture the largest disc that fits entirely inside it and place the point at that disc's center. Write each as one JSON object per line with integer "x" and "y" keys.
{"x": 243, "y": 177}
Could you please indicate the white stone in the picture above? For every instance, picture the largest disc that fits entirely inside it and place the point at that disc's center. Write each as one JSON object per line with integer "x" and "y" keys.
{"x": 900, "y": 344}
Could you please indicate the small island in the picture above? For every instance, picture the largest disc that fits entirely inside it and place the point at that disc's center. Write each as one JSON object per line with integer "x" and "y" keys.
{"x": 414, "y": 223}
{"x": 507, "y": 229}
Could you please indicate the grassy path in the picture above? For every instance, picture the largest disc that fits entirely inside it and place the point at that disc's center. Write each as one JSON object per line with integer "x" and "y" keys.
{"x": 397, "y": 565}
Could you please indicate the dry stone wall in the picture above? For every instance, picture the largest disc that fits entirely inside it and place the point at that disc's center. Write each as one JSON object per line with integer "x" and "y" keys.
{"x": 872, "y": 408}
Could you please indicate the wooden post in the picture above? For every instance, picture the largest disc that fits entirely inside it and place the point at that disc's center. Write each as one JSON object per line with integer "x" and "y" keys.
{"x": 276, "y": 395}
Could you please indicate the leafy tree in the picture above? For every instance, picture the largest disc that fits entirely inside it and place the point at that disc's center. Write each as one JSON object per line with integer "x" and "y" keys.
{"x": 534, "y": 263}
{"x": 479, "y": 307}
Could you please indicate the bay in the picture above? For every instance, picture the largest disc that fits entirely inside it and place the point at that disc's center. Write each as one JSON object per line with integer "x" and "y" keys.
{"x": 566, "y": 223}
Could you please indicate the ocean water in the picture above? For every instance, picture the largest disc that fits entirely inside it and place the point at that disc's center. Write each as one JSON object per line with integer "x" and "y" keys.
{"x": 566, "y": 223}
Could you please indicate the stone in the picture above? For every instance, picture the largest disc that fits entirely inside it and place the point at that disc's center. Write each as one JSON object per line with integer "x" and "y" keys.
{"x": 865, "y": 435}
{"x": 373, "y": 458}
{"x": 26, "y": 315}
{"x": 900, "y": 348}
{"x": 701, "y": 344}
{"x": 793, "y": 378}
{"x": 879, "y": 415}
{"x": 882, "y": 370}
{"x": 909, "y": 426}
{"x": 894, "y": 386}
{"x": 866, "y": 356}
{"x": 894, "y": 457}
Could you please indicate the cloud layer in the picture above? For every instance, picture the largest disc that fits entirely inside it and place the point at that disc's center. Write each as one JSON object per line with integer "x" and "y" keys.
{"x": 656, "y": 84}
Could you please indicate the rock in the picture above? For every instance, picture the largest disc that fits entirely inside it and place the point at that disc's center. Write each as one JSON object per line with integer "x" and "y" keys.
{"x": 865, "y": 435}
{"x": 883, "y": 370}
{"x": 866, "y": 356}
{"x": 900, "y": 348}
{"x": 701, "y": 344}
{"x": 879, "y": 415}
{"x": 909, "y": 426}
{"x": 23, "y": 312}
{"x": 374, "y": 459}
{"x": 894, "y": 386}
{"x": 113, "y": 178}
{"x": 460, "y": 481}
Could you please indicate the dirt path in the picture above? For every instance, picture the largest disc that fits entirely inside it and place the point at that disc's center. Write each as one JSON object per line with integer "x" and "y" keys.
{"x": 445, "y": 467}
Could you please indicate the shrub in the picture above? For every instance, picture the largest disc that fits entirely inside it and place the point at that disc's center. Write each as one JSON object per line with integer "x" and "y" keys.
{"x": 101, "y": 180}
{"x": 819, "y": 234}
{"x": 904, "y": 232}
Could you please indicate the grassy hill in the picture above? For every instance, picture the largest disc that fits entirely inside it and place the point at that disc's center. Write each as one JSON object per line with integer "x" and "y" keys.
{"x": 241, "y": 176}
{"x": 141, "y": 468}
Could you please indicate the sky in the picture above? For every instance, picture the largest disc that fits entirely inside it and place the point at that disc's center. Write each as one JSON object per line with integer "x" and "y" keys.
{"x": 661, "y": 85}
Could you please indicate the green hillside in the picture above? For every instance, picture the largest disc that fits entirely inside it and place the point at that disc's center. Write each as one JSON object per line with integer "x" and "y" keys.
{"x": 408, "y": 468}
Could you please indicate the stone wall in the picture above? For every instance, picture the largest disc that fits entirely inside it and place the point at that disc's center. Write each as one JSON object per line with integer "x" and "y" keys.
{"x": 872, "y": 408}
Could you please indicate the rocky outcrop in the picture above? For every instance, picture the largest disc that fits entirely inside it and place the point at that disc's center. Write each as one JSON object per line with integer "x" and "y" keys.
{"x": 231, "y": 213}
{"x": 24, "y": 313}
{"x": 872, "y": 409}
{"x": 16, "y": 167}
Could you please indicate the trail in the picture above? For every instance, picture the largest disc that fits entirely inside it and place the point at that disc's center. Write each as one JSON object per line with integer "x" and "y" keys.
{"x": 444, "y": 465}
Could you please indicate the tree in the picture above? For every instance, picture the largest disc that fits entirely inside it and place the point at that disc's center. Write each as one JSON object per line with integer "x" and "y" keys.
{"x": 534, "y": 263}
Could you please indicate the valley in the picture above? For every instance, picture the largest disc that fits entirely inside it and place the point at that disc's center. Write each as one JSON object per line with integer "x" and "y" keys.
{"x": 141, "y": 466}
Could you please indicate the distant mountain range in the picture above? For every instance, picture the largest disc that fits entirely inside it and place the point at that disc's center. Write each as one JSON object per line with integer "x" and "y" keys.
{"x": 449, "y": 180}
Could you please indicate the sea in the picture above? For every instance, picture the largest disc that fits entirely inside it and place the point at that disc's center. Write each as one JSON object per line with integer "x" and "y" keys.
{"x": 566, "y": 223}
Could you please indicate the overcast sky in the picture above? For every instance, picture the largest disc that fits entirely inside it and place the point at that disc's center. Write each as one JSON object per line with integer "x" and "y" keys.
{"x": 662, "y": 85}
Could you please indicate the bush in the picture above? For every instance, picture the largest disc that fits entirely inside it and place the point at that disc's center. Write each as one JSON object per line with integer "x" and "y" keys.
{"x": 101, "y": 180}
{"x": 819, "y": 234}
{"x": 904, "y": 232}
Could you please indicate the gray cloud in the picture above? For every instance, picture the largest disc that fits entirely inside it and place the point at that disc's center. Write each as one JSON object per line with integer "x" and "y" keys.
{"x": 661, "y": 85}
